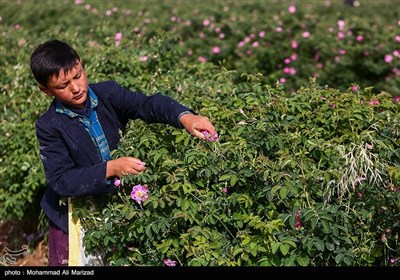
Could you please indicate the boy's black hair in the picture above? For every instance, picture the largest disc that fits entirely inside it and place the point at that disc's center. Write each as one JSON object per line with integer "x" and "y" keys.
{"x": 50, "y": 57}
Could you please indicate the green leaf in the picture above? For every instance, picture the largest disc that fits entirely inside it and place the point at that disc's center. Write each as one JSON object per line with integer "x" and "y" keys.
{"x": 237, "y": 251}
{"x": 330, "y": 246}
{"x": 179, "y": 138}
{"x": 155, "y": 228}
{"x": 275, "y": 189}
{"x": 284, "y": 249}
{"x": 245, "y": 256}
{"x": 326, "y": 217}
{"x": 253, "y": 252}
{"x": 264, "y": 262}
{"x": 319, "y": 245}
{"x": 233, "y": 181}
{"x": 155, "y": 204}
{"x": 283, "y": 192}
{"x": 236, "y": 216}
{"x": 314, "y": 221}
{"x": 130, "y": 214}
{"x": 289, "y": 242}
{"x": 339, "y": 257}
{"x": 106, "y": 240}
{"x": 156, "y": 157}
{"x": 186, "y": 142}
{"x": 327, "y": 176}
{"x": 275, "y": 247}
{"x": 348, "y": 260}
{"x": 124, "y": 209}
{"x": 246, "y": 240}
{"x": 377, "y": 252}
{"x": 178, "y": 202}
{"x": 148, "y": 231}
{"x": 303, "y": 260}
{"x": 325, "y": 226}
{"x": 185, "y": 205}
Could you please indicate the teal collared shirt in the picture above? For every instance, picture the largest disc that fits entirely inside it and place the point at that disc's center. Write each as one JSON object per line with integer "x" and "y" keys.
{"x": 91, "y": 122}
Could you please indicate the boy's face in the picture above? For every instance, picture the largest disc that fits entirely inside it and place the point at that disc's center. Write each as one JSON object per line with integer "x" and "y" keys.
{"x": 69, "y": 88}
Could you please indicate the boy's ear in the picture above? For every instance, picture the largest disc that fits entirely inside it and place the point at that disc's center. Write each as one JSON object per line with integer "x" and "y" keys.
{"x": 45, "y": 90}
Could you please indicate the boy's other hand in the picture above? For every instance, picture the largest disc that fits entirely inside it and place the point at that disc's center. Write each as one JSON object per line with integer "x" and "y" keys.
{"x": 197, "y": 124}
{"x": 123, "y": 166}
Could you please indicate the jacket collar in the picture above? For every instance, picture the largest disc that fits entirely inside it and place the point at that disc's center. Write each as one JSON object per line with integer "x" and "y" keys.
{"x": 69, "y": 122}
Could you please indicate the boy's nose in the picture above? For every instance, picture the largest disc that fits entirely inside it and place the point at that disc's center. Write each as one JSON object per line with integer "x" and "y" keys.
{"x": 74, "y": 87}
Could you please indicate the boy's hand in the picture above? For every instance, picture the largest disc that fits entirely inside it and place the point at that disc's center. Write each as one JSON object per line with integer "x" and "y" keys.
{"x": 123, "y": 166}
{"x": 198, "y": 125}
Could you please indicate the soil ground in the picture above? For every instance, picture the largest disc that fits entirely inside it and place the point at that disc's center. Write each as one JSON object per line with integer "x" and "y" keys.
{"x": 22, "y": 244}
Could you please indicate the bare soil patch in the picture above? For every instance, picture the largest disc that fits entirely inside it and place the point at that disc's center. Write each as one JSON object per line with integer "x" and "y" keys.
{"x": 22, "y": 244}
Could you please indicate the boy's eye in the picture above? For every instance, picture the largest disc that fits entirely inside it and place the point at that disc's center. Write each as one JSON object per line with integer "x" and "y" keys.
{"x": 77, "y": 76}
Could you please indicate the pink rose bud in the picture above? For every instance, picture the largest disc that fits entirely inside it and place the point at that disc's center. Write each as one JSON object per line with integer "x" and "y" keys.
{"x": 209, "y": 137}
{"x": 117, "y": 182}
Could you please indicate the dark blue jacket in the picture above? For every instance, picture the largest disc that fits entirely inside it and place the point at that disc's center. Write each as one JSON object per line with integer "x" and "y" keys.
{"x": 71, "y": 161}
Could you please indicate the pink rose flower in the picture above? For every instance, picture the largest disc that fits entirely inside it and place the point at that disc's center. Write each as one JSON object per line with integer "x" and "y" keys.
{"x": 117, "y": 182}
{"x": 169, "y": 262}
{"x": 216, "y": 50}
{"x": 355, "y": 88}
{"x": 209, "y": 137}
{"x": 374, "y": 102}
{"x": 139, "y": 193}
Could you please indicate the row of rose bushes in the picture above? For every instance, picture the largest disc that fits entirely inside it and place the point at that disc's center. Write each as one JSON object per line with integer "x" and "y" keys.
{"x": 286, "y": 41}
{"x": 309, "y": 179}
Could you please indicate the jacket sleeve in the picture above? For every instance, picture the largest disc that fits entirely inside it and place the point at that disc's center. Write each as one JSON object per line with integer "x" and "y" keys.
{"x": 63, "y": 175}
{"x": 157, "y": 108}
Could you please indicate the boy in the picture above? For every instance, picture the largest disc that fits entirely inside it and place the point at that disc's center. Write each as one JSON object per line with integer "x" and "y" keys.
{"x": 81, "y": 127}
